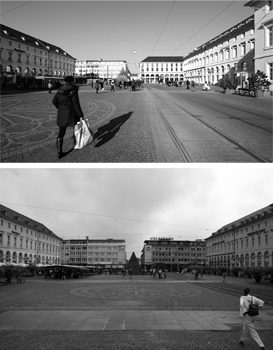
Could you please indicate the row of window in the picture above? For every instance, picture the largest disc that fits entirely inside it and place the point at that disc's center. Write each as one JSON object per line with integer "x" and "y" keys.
{"x": 29, "y": 244}
{"x": 243, "y": 243}
{"x": 94, "y": 260}
{"x": 177, "y": 260}
{"x": 177, "y": 254}
{"x": 91, "y": 254}
{"x": 218, "y": 57}
{"x": 94, "y": 248}
{"x": 28, "y": 48}
{"x": 36, "y": 61}
{"x": 252, "y": 228}
{"x": 26, "y": 230}
{"x": 180, "y": 248}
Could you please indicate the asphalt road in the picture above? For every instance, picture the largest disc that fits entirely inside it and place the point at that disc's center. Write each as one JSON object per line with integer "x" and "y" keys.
{"x": 155, "y": 124}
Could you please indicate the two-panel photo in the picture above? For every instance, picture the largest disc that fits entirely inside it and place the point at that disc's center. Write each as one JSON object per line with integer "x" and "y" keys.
{"x": 136, "y": 192}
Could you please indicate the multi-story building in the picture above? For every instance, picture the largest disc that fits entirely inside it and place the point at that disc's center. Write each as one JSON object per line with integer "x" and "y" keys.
{"x": 263, "y": 21}
{"x": 172, "y": 255}
{"x": 96, "y": 252}
{"x": 24, "y": 56}
{"x": 154, "y": 69}
{"x": 246, "y": 242}
{"x": 231, "y": 53}
{"x": 24, "y": 240}
{"x": 102, "y": 69}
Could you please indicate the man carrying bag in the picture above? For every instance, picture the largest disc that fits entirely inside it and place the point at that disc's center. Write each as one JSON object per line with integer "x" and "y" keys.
{"x": 249, "y": 309}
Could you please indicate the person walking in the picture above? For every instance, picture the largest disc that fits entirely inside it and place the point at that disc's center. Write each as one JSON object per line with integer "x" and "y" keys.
{"x": 112, "y": 86}
{"x": 66, "y": 100}
{"x": 130, "y": 274}
{"x": 248, "y": 325}
{"x": 192, "y": 86}
{"x": 133, "y": 85}
{"x": 50, "y": 86}
{"x": 188, "y": 84}
{"x": 97, "y": 86}
{"x": 224, "y": 276}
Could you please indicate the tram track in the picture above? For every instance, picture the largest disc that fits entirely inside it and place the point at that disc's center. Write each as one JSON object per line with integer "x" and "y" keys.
{"x": 237, "y": 118}
{"x": 180, "y": 145}
{"x": 237, "y": 291}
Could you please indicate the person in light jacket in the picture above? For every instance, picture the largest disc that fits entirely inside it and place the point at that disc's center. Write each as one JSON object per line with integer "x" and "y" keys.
{"x": 66, "y": 100}
{"x": 248, "y": 325}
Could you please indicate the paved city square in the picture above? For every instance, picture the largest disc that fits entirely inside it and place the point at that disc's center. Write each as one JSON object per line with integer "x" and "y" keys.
{"x": 112, "y": 312}
{"x": 155, "y": 124}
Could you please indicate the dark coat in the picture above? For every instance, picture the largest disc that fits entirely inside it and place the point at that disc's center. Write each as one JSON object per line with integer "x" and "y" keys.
{"x": 67, "y": 102}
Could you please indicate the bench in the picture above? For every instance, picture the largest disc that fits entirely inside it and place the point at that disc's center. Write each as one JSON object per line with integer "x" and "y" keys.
{"x": 244, "y": 91}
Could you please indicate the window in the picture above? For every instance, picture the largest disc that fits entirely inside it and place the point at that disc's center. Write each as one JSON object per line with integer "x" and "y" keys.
{"x": 270, "y": 71}
{"x": 10, "y": 43}
{"x": 2, "y": 222}
{"x": 9, "y": 56}
{"x": 259, "y": 240}
{"x": 270, "y": 39}
{"x": 243, "y": 49}
{"x": 8, "y": 240}
{"x": 266, "y": 239}
{"x": 1, "y": 238}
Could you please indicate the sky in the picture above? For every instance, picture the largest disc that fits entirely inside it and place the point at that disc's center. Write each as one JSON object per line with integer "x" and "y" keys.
{"x": 124, "y": 30}
{"x": 136, "y": 204}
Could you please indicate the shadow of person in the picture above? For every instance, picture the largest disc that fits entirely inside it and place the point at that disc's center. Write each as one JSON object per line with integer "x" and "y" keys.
{"x": 106, "y": 132}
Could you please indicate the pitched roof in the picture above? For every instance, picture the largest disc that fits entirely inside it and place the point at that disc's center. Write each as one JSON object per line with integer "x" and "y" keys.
{"x": 25, "y": 221}
{"x": 163, "y": 59}
{"x": 28, "y": 39}
{"x": 244, "y": 220}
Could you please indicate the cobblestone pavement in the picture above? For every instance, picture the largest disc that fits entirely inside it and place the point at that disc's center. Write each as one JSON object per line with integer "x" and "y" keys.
{"x": 140, "y": 127}
{"x": 124, "y": 340}
{"x": 112, "y": 312}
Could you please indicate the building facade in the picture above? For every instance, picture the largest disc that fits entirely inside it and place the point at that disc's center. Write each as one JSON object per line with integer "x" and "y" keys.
{"x": 154, "y": 69}
{"x": 24, "y": 240}
{"x": 247, "y": 242}
{"x": 24, "y": 56}
{"x": 94, "y": 252}
{"x": 173, "y": 255}
{"x": 101, "y": 69}
{"x": 230, "y": 53}
{"x": 263, "y": 21}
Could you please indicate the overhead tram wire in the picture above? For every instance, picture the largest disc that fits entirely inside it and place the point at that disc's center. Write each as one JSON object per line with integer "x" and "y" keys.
{"x": 203, "y": 27}
{"x": 2, "y": 14}
{"x": 163, "y": 27}
{"x": 100, "y": 215}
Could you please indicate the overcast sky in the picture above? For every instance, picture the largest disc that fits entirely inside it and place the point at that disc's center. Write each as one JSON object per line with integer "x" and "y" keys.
{"x": 113, "y": 30}
{"x": 136, "y": 204}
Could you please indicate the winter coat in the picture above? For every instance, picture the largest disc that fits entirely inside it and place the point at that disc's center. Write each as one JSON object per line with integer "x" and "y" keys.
{"x": 67, "y": 102}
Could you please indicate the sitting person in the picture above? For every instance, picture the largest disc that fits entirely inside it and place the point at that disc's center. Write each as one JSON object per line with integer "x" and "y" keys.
{"x": 205, "y": 87}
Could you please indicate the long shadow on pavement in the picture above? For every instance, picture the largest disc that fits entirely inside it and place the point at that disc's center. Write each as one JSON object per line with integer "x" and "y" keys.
{"x": 106, "y": 132}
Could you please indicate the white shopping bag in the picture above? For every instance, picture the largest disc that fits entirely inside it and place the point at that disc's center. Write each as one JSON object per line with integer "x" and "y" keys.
{"x": 83, "y": 134}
